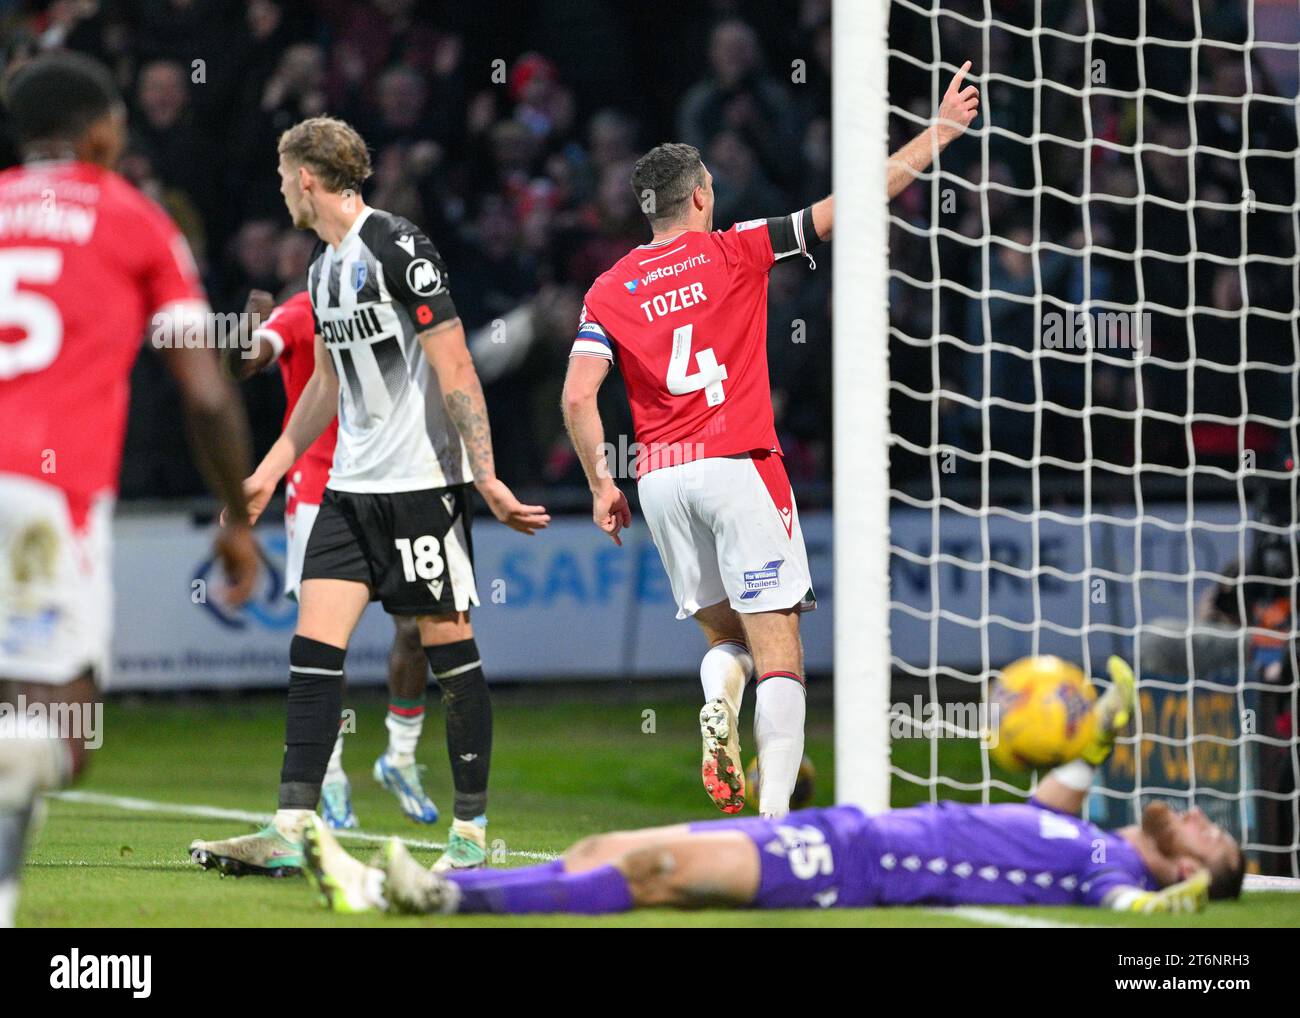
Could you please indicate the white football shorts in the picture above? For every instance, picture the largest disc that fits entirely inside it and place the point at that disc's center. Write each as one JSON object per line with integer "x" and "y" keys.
{"x": 56, "y": 596}
{"x": 727, "y": 529}
{"x": 297, "y": 529}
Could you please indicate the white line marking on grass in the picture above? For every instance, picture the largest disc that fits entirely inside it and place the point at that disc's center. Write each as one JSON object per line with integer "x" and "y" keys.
{"x": 996, "y": 917}
{"x": 221, "y": 813}
{"x": 1256, "y": 882}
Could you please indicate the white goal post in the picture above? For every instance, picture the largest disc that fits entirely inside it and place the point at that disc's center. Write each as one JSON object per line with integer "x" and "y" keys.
{"x": 1067, "y": 395}
{"x": 860, "y": 393}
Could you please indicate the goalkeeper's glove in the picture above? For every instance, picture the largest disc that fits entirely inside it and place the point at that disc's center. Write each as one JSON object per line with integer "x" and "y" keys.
{"x": 1112, "y": 711}
{"x": 1190, "y": 895}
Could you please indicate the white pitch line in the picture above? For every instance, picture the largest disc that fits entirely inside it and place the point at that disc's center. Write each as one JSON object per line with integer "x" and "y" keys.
{"x": 996, "y": 917}
{"x": 1256, "y": 882}
{"x": 221, "y": 813}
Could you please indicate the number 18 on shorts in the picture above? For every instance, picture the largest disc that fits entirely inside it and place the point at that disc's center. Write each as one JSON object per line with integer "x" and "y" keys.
{"x": 412, "y": 548}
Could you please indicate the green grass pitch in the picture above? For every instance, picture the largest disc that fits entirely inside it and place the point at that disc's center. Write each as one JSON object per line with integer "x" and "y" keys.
{"x": 566, "y": 763}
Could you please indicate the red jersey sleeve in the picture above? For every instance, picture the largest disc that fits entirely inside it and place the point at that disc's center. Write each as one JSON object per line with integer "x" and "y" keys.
{"x": 748, "y": 244}
{"x": 167, "y": 271}
{"x": 291, "y": 327}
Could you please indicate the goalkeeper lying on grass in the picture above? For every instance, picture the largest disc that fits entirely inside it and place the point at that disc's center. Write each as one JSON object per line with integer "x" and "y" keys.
{"x": 1034, "y": 853}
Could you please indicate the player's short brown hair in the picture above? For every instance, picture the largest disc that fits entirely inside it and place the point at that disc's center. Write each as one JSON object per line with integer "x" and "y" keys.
{"x": 331, "y": 149}
{"x": 665, "y": 178}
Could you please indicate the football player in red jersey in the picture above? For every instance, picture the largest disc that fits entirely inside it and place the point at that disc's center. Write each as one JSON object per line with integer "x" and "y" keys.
{"x": 287, "y": 337}
{"x": 685, "y": 318}
{"x": 87, "y": 263}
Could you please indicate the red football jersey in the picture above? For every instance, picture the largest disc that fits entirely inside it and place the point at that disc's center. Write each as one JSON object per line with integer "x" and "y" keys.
{"x": 686, "y": 320}
{"x": 292, "y": 328}
{"x": 85, "y": 262}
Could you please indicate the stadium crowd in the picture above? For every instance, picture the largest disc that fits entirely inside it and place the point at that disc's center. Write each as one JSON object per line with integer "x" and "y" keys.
{"x": 1054, "y": 212}
{"x": 506, "y": 130}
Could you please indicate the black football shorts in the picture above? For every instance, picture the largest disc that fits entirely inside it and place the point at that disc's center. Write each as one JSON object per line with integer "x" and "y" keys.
{"x": 411, "y": 548}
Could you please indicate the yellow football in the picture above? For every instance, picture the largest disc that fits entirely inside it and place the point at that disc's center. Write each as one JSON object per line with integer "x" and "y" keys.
{"x": 1041, "y": 714}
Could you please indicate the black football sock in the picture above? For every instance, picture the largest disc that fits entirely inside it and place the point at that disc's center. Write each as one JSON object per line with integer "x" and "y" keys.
{"x": 13, "y": 839}
{"x": 459, "y": 673}
{"x": 312, "y": 722}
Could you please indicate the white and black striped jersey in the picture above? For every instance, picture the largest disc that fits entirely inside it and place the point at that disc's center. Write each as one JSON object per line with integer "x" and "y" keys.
{"x": 372, "y": 294}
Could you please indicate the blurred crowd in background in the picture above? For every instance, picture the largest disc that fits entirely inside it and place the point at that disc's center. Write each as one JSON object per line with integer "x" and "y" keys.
{"x": 506, "y": 130}
{"x": 1203, "y": 241}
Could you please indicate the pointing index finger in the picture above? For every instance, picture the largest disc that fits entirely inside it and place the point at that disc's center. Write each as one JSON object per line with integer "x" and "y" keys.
{"x": 957, "y": 78}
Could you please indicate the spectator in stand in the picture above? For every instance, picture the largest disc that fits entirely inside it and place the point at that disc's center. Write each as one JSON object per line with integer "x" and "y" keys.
{"x": 252, "y": 260}
{"x": 295, "y": 90}
{"x": 742, "y": 191}
{"x": 293, "y": 256}
{"x": 183, "y": 156}
{"x": 613, "y": 222}
{"x": 740, "y": 96}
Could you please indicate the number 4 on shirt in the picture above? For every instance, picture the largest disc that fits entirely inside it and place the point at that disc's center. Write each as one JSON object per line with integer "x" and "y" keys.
{"x": 709, "y": 377}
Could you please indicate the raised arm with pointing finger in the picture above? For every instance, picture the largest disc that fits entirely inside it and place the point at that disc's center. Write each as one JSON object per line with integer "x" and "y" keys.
{"x": 959, "y": 107}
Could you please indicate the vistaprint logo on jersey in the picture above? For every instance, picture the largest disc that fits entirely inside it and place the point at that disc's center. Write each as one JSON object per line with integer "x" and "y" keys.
{"x": 77, "y": 971}
{"x": 667, "y": 272}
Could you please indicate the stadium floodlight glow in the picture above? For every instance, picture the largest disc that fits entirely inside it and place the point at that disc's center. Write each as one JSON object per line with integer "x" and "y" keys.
{"x": 860, "y": 393}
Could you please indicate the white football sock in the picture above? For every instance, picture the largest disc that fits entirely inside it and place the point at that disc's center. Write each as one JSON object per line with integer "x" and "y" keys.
{"x": 724, "y": 670}
{"x": 30, "y": 763}
{"x": 334, "y": 773}
{"x": 8, "y": 903}
{"x": 778, "y": 735}
{"x": 290, "y": 822}
{"x": 403, "y": 734}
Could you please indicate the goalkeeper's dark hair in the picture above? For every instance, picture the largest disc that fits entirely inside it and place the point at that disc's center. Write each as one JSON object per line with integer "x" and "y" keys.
{"x": 58, "y": 96}
{"x": 1226, "y": 883}
{"x": 665, "y": 178}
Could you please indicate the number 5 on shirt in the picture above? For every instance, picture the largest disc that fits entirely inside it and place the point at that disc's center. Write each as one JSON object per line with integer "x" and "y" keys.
{"x": 33, "y": 313}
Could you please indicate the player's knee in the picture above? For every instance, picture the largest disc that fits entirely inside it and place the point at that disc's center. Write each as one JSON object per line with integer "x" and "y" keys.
{"x": 452, "y": 627}
{"x": 651, "y": 876}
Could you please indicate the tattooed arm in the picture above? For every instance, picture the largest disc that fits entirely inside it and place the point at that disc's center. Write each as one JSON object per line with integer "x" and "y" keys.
{"x": 444, "y": 346}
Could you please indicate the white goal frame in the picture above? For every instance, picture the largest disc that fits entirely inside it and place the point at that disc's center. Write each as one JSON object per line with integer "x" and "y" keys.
{"x": 860, "y": 391}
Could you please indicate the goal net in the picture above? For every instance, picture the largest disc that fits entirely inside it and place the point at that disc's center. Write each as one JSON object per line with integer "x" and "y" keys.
{"x": 1093, "y": 393}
